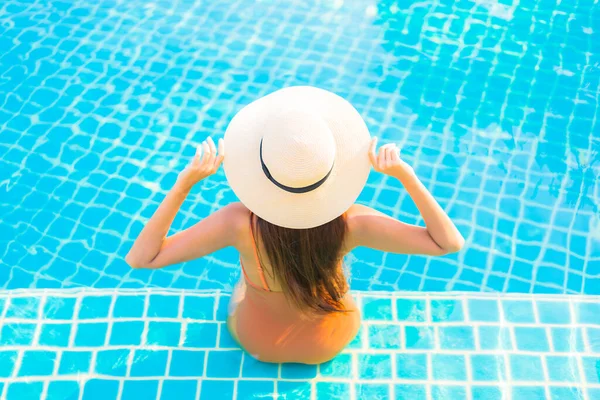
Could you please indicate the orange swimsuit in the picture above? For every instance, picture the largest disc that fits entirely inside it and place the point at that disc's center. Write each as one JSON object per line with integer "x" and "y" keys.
{"x": 274, "y": 330}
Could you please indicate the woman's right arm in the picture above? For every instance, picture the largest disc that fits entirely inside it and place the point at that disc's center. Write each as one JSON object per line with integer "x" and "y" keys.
{"x": 374, "y": 229}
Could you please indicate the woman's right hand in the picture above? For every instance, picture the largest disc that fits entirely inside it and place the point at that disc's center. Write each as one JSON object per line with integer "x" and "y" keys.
{"x": 388, "y": 161}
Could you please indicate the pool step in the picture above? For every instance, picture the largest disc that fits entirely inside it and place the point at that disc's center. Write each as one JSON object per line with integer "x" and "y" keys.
{"x": 174, "y": 344}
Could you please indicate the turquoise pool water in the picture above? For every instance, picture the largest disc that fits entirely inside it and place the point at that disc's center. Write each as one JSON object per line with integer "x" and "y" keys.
{"x": 494, "y": 103}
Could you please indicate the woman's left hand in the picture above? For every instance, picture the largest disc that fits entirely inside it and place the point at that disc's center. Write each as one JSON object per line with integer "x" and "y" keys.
{"x": 206, "y": 162}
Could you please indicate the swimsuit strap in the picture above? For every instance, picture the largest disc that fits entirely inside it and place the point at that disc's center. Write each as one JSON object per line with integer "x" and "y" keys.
{"x": 261, "y": 273}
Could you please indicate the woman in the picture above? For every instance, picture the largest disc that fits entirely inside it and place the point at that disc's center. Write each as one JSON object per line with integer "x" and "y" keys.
{"x": 297, "y": 159}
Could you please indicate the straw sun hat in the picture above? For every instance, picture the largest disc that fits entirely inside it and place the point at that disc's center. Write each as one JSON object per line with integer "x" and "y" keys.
{"x": 298, "y": 157}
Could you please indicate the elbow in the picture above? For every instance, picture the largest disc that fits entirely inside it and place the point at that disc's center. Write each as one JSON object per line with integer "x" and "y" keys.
{"x": 455, "y": 246}
{"x": 133, "y": 262}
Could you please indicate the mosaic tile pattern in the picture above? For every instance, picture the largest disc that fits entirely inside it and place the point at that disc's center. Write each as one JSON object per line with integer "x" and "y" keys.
{"x": 495, "y": 104}
{"x": 168, "y": 344}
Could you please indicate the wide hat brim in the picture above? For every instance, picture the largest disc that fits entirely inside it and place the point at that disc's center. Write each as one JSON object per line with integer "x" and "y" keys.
{"x": 348, "y": 176}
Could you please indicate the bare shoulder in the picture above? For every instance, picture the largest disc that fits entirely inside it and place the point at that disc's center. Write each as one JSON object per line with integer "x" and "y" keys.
{"x": 237, "y": 220}
{"x": 360, "y": 220}
{"x": 358, "y": 215}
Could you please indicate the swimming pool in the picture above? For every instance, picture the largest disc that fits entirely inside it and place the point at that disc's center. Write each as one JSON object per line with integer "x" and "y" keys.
{"x": 495, "y": 104}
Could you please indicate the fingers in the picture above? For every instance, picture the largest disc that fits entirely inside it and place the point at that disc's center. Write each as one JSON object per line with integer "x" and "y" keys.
{"x": 389, "y": 155}
{"x": 383, "y": 155}
{"x": 213, "y": 152}
{"x": 208, "y": 156}
{"x": 221, "y": 154}
{"x": 197, "y": 156}
{"x": 206, "y": 152}
{"x": 211, "y": 144}
{"x": 372, "y": 154}
{"x": 395, "y": 154}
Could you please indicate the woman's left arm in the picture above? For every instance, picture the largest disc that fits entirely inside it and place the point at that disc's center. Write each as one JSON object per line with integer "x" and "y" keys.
{"x": 152, "y": 249}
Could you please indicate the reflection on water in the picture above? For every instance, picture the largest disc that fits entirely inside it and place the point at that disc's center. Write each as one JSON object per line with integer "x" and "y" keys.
{"x": 495, "y": 105}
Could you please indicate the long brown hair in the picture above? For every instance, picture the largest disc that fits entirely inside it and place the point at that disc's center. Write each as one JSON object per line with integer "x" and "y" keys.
{"x": 307, "y": 263}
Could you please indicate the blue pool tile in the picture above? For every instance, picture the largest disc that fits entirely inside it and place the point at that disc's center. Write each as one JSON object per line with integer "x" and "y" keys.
{"x": 483, "y": 310}
{"x": 339, "y": 367}
{"x": 553, "y": 312}
{"x": 294, "y": 389}
{"x": 528, "y": 392}
{"x": 411, "y": 365}
{"x": 377, "y": 309}
{"x": 252, "y": 368}
{"x": 197, "y": 307}
{"x": 223, "y": 307}
{"x": 357, "y": 342}
{"x": 149, "y": 363}
{"x": 383, "y": 336}
{"x": 129, "y": 307}
{"x": 202, "y": 334}
{"x": 74, "y": 362}
{"x": 23, "y": 308}
{"x": 255, "y": 389}
{"x": 374, "y": 366}
{"x": 443, "y": 392}
{"x": 591, "y": 369}
{"x": 55, "y": 335}
{"x": 487, "y": 367}
{"x": 100, "y": 389}
{"x": 94, "y": 307}
{"x": 163, "y": 306}
{"x": 332, "y": 391}
{"x": 587, "y": 312}
{"x": 298, "y": 371}
{"x": 211, "y": 389}
{"x": 112, "y": 362}
{"x": 187, "y": 363}
{"x": 567, "y": 339}
{"x": 126, "y": 333}
{"x": 448, "y": 367}
{"x": 372, "y": 391}
{"x": 456, "y": 337}
{"x": 494, "y": 338}
{"x": 593, "y": 393}
{"x": 63, "y": 390}
{"x": 16, "y": 334}
{"x": 486, "y": 393}
{"x": 446, "y": 310}
{"x": 411, "y": 310}
{"x": 164, "y": 333}
{"x": 418, "y": 337}
{"x": 224, "y": 364}
{"x": 518, "y": 311}
{"x": 7, "y": 363}
{"x": 226, "y": 341}
{"x": 412, "y": 392}
{"x": 59, "y": 308}
{"x": 91, "y": 334}
{"x": 179, "y": 389}
{"x": 593, "y": 338}
{"x": 526, "y": 368}
{"x": 24, "y": 391}
{"x": 531, "y": 338}
{"x": 562, "y": 369}
{"x": 37, "y": 363}
{"x": 566, "y": 393}
{"x": 146, "y": 389}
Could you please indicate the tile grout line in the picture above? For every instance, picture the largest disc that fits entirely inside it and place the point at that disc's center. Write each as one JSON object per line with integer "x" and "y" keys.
{"x": 578, "y": 357}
